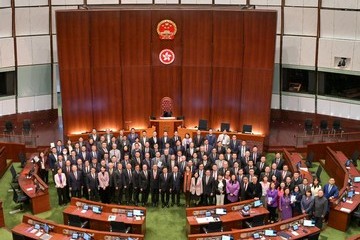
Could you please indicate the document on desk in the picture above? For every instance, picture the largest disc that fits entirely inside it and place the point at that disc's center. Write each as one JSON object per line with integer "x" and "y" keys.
{"x": 111, "y": 218}
{"x": 304, "y": 169}
{"x": 349, "y": 201}
{"x": 345, "y": 210}
{"x": 204, "y": 220}
{"x": 29, "y": 189}
{"x": 38, "y": 234}
{"x": 220, "y": 211}
{"x": 294, "y": 233}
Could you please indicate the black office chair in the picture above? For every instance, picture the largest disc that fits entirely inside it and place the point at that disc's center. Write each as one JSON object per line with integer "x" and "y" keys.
{"x": 308, "y": 127}
{"x": 17, "y": 236}
{"x": 9, "y": 127}
{"x": 22, "y": 159}
{"x": 317, "y": 173}
{"x": 255, "y": 221}
{"x": 119, "y": 227}
{"x": 336, "y": 127}
{"x": 356, "y": 215}
{"x": 324, "y": 128}
{"x": 18, "y": 198}
{"x": 355, "y": 157}
{"x": 309, "y": 160}
{"x": 213, "y": 227}
{"x": 15, "y": 176}
{"x": 26, "y": 126}
{"x": 76, "y": 221}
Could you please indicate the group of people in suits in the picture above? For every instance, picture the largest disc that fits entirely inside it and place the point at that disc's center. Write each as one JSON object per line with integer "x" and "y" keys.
{"x": 208, "y": 170}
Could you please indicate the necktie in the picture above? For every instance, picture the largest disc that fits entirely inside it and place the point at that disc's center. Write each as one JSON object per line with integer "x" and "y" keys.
{"x": 245, "y": 186}
{"x": 206, "y": 147}
{"x": 145, "y": 172}
{"x": 93, "y": 176}
{"x": 175, "y": 177}
{"x": 330, "y": 187}
{"x": 154, "y": 174}
{"x": 261, "y": 166}
{"x": 207, "y": 180}
{"x": 165, "y": 176}
{"x": 75, "y": 173}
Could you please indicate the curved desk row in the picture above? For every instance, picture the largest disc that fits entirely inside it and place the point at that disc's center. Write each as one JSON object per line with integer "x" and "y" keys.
{"x": 232, "y": 219}
{"x": 101, "y": 221}
{"x": 282, "y": 227}
{"x": 63, "y": 232}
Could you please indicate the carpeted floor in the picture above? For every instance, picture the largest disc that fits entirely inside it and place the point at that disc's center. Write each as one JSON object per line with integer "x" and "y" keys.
{"x": 158, "y": 220}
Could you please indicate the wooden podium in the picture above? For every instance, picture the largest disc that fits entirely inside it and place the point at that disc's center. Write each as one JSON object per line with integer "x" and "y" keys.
{"x": 169, "y": 125}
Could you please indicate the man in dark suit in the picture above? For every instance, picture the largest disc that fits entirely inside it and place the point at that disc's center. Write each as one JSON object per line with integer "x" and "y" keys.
{"x": 148, "y": 149}
{"x": 108, "y": 135}
{"x": 255, "y": 189}
{"x": 94, "y": 135}
{"x": 331, "y": 191}
{"x": 275, "y": 171}
{"x": 220, "y": 149}
{"x": 136, "y": 184}
{"x": 164, "y": 140}
{"x": 190, "y": 151}
{"x": 234, "y": 144}
{"x": 111, "y": 170}
{"x": 153, "y": 140}
{"x": 92, "y": 184}
{"x": 261, "y": 165}
{"x": 243, "y": 148}
{"x": 211, "y": 138}
{"x": 119, "y": 179}
{"x": 198, "y": 139}
{"x": 175, "y": 138}
{"x": 255, "y": 155}
{"x": 279, "y": 161}
{"x": 165, "y": 187}
{"x": 176, "y": 187}
{"x": 53, "y": 157}
{"x": 208, "y": 188}
{"x": 285, "y": 173}
{"x": 128, "y": 183}
{"x": 144, "y": 184}
{"x": 244, "y": 186}
{"x": 132, "y": 136}
{"x": 213, "y": 156}
{"x": 84, "y": 154}
{"x": 75, "y": 182}
{"x": 305, "y": 186}
{"x": 154, "y": 185}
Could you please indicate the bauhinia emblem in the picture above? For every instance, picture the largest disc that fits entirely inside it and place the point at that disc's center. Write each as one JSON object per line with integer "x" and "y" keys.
{"x": 166, "y": 29}
{"x": 167, "y": 56}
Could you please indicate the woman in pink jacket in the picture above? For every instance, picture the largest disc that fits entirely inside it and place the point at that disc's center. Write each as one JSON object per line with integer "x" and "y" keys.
{"x": 196, "y": 188}
{"x": 103, "y": 177}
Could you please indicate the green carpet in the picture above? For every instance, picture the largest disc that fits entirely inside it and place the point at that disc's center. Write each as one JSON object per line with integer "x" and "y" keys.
{"x": 158, "y": 220}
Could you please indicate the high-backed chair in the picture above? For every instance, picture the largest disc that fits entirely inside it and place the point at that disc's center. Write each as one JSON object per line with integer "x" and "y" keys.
{"x": 336, "y": 127}
{"x": 323, "y": 127}
{"x": 166, "y": 106}
{"x": 119, "y": 227}
{"x": 9, "y": 127}
{"x": 213, "y": 227}
{"x": 76, "y": 221}
{"x": 26, "y": 126}
{"x": 308, "y": 127}
{"x": 18, "y": 198}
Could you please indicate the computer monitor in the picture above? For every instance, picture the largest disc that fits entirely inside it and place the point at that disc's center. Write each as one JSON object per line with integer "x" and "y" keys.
{"x": 37, "y": 226}
{"x": 295, "y": 227}
{"x": 129, "y": 214}
{"x": 347, "y": 163}
{"x": 207, "y": 214}
{"x": 258, "y": 203}
{"x": 86, "y": 236}
{"x": 356, "y": 179}
{"x": 227, "y": 237}
{"x": 247, "y": 128}
{"x": 203, "y": 124}
{"x": 256, "y": 235}
{"x": 137, "y": 212}
{"x": 46, "y": 228}
{"x": 246, "y": 208}
{"x": 85, "y": 207}
{"x": 350, "y": 194}
{"x": 225, "y": 126}
{"x": 270, "y": 233}
{"x": 75, "y": 236}
{"x": 96, "y": 209}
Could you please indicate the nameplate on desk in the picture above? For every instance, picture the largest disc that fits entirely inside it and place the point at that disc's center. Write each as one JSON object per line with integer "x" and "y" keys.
{"x": 294, "y": 233}
{"x": 111, "y": 218}
{"x": 304, "y": 169}
{"x": 349, "y": 201}
{"x": 29, "y": 189}
{"x": 345, "y": 210}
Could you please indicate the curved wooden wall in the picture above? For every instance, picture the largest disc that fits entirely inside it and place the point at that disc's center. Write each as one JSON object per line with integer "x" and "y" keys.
{"x": 111, "y": 76}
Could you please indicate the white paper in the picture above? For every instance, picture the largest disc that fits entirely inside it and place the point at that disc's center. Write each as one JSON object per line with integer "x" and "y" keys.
{"x": 220, "y": 211}
{"x": 205, "y": 220}
{"x": 294, "y": 233}
{"x": 293, "y": 198}
{"x": 137, "y": 218}
{"x": 83, "y": 211}
{"x": 111, "y": 218}
{"x": 304, "y": 169}
{"x": 38, "y": 234}
{"x": 29, "y": 189}
{"x": 345, "y": 210}
{"x": 349, "y": 201}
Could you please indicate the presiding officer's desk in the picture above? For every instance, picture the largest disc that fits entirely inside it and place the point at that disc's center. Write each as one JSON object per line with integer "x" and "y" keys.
{"x": 340, "y": 212}
{"x": 232, "y": 219}
{"x": 100, "y": 221}
{"x": 281, "y": 226}
{"x": 39, "y": 197}
{"x": 59, "y": 231}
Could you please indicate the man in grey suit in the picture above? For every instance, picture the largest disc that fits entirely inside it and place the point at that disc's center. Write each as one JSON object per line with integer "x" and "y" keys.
{"x": 320, "y": 208}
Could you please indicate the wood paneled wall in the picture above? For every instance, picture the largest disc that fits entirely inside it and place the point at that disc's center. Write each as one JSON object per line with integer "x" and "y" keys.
{"x": 111, "y": 76}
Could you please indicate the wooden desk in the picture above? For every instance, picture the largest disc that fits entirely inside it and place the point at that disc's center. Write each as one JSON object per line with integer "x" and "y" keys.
{"x": 169, "y": 125}
{"x": 355, "y": 237}
{"x": 282, "y": 226}
{"x": 63, "y": 232}
{"x": 233, "y": 218}
{"x": 291, "y": 159}
{"x": 40, "y": 200}
{"x": 3, "y": 161}
{"x": 2, "y": 220}
{"x": 339, "y": 219}
{"x": 251, "y": 139}
{"x": 100, "y": 222}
